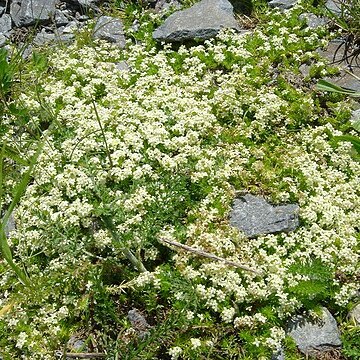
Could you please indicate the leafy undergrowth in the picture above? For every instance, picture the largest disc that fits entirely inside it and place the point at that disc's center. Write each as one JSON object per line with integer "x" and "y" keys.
{"x": 157, "y": 152}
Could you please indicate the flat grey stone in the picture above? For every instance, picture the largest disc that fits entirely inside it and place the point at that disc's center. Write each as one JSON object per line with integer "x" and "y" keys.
{"x": 314, "y": 336}
{"x": 110, "y": 29}
{"x": 334, "y": 54}
{"x": 60, "y": 18}
{"x": 30, "y": 12}
{"x": 354, "y": 315}
{"x": 2, "y": 40}
{"x": 5, "y": 24}
{"x": 43, "y": 38}
{"x": 71, "y": 27}
{"x": 282, "y": 4}
{"x": 333, "y": 6}
{"x": 313, "y": 21}
{"x": 201, "y": 21}
{"x": 334, "y": 51}
{"x": 2, "y": 9}
{"x": 254, "y": 216}
{"x": 139, "y": 323}
{"x": 122, "y": 66}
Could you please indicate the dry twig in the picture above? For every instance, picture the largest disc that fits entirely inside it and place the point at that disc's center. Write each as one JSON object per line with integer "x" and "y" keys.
{"x": 209, "y": 255}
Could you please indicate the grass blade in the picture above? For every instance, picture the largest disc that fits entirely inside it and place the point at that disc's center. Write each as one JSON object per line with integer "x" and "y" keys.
{"x": 4, "y": 245}
{"x": 324, "y": 85}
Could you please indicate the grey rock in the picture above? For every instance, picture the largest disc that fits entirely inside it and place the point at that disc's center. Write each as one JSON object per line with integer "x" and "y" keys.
{"x": 304, "y": 70}
{"x": 333, "y": 6}
{"x": 315, "y": 336}
{"x": 346, "y": 80}
{"x": 110, "y": 29}
{"x": 87, "y": 3}
{"x": 333, "y": 52}
{"x": 282, "y": 4}
{"x": 43, "y": 38}
{"x": 355, "y": 115}
{"x": 334, "y": 55}
{"x": 354, "y": 315}
{"x": 30, "y": 12}
{"x": 5, "y": 24}
{"x": 2, "y": 9}
{"x": 76, "y": 344}
{"x": 279, "y": 355}
{"x": 122, "y": 66}
{"x": 80, "y": 17}
{"x": 139, "y": 323}
{"x": 201, "y": 21}
{"x": 60, "y": 18}
{"x": 313, "y": 21}
{"x": 71, "y": 27}
{"x": 2, "y": 40}
{"x": 254, "y": 216}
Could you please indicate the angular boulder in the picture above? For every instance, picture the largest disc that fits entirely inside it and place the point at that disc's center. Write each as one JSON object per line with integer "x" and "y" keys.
{"x": 110, "y": 29}
{"x": 313, "y": 336}
{"x": 254, "y": 216}
{"x": 31, "y": 12}
{"x": 42, "y": 38}
{"x": 333, "y": 6}
{"x": 201, "y": 21}
{"x": 5, "y": 24}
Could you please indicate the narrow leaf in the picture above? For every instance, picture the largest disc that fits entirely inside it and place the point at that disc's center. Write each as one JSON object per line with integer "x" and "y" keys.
{"x": 324, "y": 85}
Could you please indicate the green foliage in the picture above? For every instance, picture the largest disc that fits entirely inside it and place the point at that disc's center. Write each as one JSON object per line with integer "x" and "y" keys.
{"x": 350, "y": 342}
{"x": 327, "y": 86}
{"x": 316, "y": 285}
{"x": 6, "y": 75}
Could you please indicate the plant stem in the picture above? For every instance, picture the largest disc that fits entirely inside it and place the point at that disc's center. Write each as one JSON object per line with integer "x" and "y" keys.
{"x": 137, "y": 263}
{"x": 103, "y": 133}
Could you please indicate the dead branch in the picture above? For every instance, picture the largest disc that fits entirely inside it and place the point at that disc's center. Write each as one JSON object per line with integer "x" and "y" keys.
{"x": 209, "y": 255}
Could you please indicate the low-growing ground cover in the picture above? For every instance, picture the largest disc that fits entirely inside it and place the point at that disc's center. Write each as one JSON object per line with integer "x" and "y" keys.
{"x": 130, "y": 158}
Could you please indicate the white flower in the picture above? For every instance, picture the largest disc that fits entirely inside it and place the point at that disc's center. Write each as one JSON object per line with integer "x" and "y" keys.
{"x": 195, "y": 343}
{"x": 21, "y": 340}
{"x": 174, "y": 352}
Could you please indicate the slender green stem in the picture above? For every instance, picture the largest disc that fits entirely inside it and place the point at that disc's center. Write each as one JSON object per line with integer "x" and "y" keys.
{"x": 137, "y": 263}
{"x": 103, "y": 133}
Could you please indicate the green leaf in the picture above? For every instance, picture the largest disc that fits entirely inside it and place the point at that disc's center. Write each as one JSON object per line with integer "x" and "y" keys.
{"x": 355, "y": 140}
{"x": 324, "y": 85}
{"x": 13, "y": 155}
